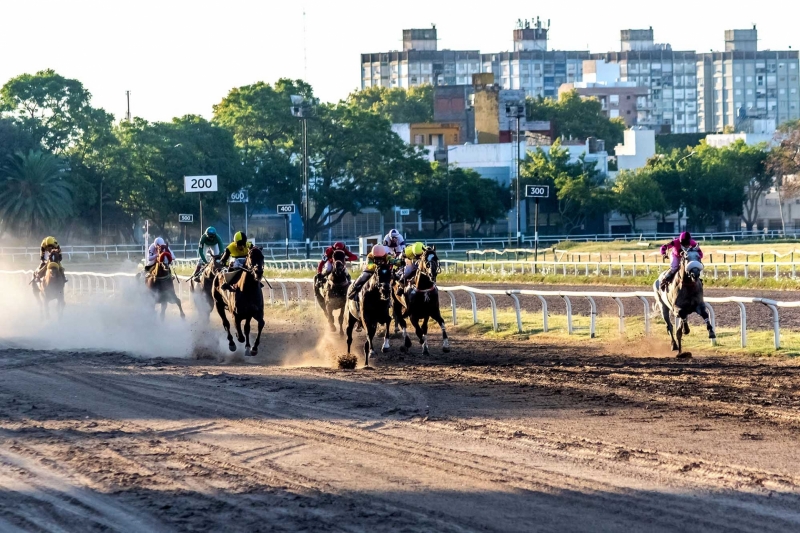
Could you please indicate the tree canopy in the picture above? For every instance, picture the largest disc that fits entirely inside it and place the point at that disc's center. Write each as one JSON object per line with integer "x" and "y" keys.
{"x": 575, "y": 117}
{"x": 396, "y": 105}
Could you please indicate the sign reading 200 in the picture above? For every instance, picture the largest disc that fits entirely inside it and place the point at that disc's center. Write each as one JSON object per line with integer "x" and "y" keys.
{"x": 199, "y": 183}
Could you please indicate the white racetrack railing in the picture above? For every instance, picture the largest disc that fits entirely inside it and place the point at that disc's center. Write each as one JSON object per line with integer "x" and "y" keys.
{"x": 92, "y": 282}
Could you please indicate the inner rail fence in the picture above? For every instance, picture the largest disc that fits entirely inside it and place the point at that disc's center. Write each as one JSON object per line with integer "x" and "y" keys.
{"x": 280, "y": 291}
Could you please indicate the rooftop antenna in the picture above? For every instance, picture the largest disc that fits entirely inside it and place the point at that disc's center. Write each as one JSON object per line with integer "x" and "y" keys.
{"x": 128, "y": 114}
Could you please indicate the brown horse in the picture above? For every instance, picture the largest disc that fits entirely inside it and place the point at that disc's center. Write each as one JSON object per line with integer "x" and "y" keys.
{"x": 333, "y": 294}
{"x": 245, "y": 302}
{"x": 51, "y": 285}
{"x": 204, "y": 283}
{"x": 160, "y": 283}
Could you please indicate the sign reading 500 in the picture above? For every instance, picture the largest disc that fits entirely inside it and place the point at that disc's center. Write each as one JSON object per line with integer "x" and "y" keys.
{"x": 199, "y": 184}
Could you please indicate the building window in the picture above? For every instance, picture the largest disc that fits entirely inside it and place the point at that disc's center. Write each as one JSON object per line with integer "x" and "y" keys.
{"x": 749, "y": 79}
{"x": 737, "y": 79}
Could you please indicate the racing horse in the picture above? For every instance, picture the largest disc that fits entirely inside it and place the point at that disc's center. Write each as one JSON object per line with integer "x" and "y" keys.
{"x": 51, "y": 285}
{"x": 204, "y": 281}
{"x": 421, "y": 302}
{"x": 245, "y": 302}
{"x": 333, "y": 294}
{"x": 683, "y": 297}
{"x": 160, "y": 283}
{"x": 371, "y": 309}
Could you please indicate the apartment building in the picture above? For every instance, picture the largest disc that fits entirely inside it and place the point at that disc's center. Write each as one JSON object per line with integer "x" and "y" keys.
{"x": 419, "y": 62}
{"x": 743, "y": 86}
{"x": 618, "y": 99}
{"x": 669, "y": 76}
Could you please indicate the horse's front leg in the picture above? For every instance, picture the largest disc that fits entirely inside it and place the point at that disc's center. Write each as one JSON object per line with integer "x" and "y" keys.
{"x": 180, "y": 307}
{"x": 679, "y": 333}
{"x": 351, "y": 322}
{"x": 703, "y": 312}
{"x": 260, "y": 323}
{"x": 163, "y": 310}
{"x": 368, "y": 346}
{"x": 437, "y": 316}
{"x": 328, "y": 308}
{"x": 223, "y": 315}
{"x": 386, "y": 346}
{"x": 666, "y": 316}
{"x": 424, "y": 328}
{"x": 238, "y": 322}
{"x": 247, "y": 336}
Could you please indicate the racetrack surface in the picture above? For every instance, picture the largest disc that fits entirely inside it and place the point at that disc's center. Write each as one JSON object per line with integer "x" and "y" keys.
{"x": 496, "y": 436}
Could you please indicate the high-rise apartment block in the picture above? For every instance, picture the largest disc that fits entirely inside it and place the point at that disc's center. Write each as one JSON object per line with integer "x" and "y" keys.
{"x": 670, "y": 76}
{"x": 743, "y": 85}
{"x": 677, "y": 91}
{"x": 420, "y": 62}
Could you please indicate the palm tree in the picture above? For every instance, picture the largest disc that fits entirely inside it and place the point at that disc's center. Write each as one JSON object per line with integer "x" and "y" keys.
{"x": 34, "y": 194}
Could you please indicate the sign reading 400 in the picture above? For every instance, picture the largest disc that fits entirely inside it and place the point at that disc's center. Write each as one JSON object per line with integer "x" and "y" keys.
{"x": 199, "y": 184}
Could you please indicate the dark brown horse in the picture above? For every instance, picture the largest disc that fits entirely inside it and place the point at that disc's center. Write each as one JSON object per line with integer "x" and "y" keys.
{"x": 160, "y": 281}
{"x": 204, "y": 282}
{"x": 419, "y": 301}
{"x": 683, "y": 297}
{"x": 51, "y": 285}
{"x": 371, "y": 309}
{"x": 333, "y": 294}
{"x": 245, "y": 302}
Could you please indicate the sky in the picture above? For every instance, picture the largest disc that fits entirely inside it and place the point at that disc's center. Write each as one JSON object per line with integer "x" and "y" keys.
{"x": 181, "y": 57}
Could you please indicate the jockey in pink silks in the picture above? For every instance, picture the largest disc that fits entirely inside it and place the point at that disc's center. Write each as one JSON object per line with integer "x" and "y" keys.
{"x": 684, "y": 241}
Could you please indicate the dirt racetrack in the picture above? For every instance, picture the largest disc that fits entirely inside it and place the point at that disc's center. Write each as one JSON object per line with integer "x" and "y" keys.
{"x": 496, "y": 436}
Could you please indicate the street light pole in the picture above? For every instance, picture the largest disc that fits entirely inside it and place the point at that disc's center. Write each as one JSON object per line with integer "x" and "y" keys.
{"x": 300, "y": 109}
{"x": 517, "y": 112}
{"x": 519, "y": 215}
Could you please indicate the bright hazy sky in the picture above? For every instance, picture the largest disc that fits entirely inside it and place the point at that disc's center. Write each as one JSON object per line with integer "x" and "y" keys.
{"x": 178, "y": 57}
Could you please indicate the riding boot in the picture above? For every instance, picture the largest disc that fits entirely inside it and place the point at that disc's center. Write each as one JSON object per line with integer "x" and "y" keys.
{"x": 227, "y": 287}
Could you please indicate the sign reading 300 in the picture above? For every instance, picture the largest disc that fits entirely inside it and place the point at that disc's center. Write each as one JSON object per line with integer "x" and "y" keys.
{"x": 199, "y": 184}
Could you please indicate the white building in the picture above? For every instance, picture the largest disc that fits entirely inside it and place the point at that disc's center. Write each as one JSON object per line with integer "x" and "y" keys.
{"x": 638, "y": 146}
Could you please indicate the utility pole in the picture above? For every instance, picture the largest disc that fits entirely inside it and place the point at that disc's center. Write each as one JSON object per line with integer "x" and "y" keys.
{"x": 302, "y": 109}
{"x": 128, "y": 114}
{"x": 517, "y": 112}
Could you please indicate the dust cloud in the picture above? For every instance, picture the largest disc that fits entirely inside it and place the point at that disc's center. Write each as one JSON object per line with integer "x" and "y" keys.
{"x": 127, "y": 321}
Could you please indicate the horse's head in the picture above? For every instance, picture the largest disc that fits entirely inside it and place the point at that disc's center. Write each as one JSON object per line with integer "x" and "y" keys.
{"x": 383, "y": 279}
{"x": 339, "y": 268}
{"x": 55, "y": 256}
{"x": 429, "y": 263}
{"x": 255, "y": 261}
{"x": 690, "y": 258}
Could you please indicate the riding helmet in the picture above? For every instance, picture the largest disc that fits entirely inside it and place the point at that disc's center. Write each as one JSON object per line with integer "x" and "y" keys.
{"x": 686, "y": 238}
{"x": 50, "y": 241}
{"x": 339, "y": 245}
{"x": 211, "y": 230}
{"x": 378, "y": 251}
{"x": 159, "y": 242}
{"x": 240, "y": 237}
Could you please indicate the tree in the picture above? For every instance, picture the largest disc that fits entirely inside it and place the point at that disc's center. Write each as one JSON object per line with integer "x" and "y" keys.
{"x": 34, "y": 194}
{"x": 636, "y": 195}
{"x": 398, "y": 105}
{"x": 156, "y": 156}
{"x": 54, "y": 109}
{"x": 580, "y": 192}
{"x": 357, "y": 162}
{"x": 575, "y": 117}
{"x": 747, "y": 165}
{"x": 459, "y": 195}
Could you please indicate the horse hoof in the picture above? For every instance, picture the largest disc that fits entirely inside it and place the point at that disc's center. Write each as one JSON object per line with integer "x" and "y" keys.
{"x": 240, "y": 339}
{"x": 684, "y": 355}
{"x": 446, "y": 349}
{"x": 403, "y": 349}
{"x": 333, "y": 329}
{"x": 686, "y": 329}
{"x": 232, "y": 347}
{"x": 407, "y": 343}
{"x": 367, "y": 367}
{"x": 384, "y": 350}
{"x": 712, "y": 335}
{"x": 247, "y": 352}
{"x": 674, "y": 347}
{"x": 425, "y": 352}
{"x": 254, "y": 352}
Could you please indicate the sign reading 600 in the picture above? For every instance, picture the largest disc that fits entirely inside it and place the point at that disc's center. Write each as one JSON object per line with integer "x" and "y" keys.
{"x": 199, "y": 184}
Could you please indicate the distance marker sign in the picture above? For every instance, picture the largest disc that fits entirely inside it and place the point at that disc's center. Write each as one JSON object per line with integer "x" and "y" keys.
{"x": 199, "y": 184}
{"x": 286, "y": 209}
{"x": 537, "y": 191}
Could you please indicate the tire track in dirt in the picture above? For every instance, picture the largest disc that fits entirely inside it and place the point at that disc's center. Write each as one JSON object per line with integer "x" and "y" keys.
{"x": 480, "y": 469}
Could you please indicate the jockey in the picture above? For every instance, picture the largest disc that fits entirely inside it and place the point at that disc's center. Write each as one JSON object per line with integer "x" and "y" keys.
{"x": 237, "y": 250}
{"x": 158, "y": 247}
{"x": 685, "y": 241}
{"x": 394, "y": 242}
{"x": 412, "y": 254}
{"x": 209, "y": 242}
{"x": 49, "y": 245}
{"x": 326, "y": 264}
{"x": 378, "y": 256}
